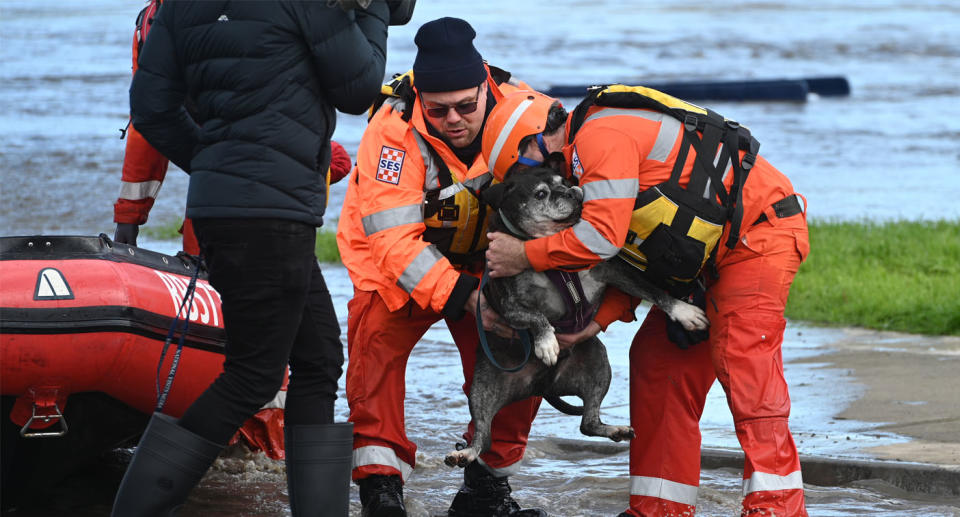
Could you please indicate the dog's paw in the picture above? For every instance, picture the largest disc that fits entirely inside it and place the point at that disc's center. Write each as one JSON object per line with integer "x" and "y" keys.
{"x": 689, "y": 316}
{"x": 461, "y": 458}
{"x": 621, "y": 432}
{"x": 547, "y": 349}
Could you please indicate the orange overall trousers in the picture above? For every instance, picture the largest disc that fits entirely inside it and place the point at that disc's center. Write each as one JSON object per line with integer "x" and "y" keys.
{"x": 668, "y": 385}
{"x": 379, "y": 344}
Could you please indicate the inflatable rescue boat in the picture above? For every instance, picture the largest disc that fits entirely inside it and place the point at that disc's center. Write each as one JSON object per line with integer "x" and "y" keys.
{"x": 83, "y": 322}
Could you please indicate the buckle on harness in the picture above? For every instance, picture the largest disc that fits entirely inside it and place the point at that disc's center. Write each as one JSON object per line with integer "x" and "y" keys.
{"x": 748, "y": 160}
{"x": 690, "y": 122}
{"x": 449, "y": 213}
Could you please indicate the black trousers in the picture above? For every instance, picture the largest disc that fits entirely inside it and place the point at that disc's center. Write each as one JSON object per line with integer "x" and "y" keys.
{"x": 276, "y": 310}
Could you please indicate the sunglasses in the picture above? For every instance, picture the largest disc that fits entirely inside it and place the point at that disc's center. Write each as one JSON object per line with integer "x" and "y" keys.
{"x": 463, "y": 108}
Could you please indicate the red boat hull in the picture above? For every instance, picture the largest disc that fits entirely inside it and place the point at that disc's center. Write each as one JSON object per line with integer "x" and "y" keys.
{"x": 84, "y": 314}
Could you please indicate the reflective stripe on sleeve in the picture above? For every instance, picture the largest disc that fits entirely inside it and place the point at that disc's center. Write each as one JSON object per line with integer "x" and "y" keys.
{"x": 377, "y": 455}
{"x": 135, "y": 191}
{"x": 594, "y": 240}
{"x": 610, "y": 189}
{"x": 663, "y": 489}
{"x": 762, "y": 481}
{"x": 392, "y": 217}
{"x": 666, "y": 138}
{"x": 419, "y": 268}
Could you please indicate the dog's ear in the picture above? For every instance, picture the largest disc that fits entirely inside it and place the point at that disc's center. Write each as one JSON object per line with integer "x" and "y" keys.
{"x": 493, "y": 195}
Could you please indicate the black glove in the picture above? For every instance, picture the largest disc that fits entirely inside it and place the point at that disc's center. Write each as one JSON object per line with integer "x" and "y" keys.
{"x": 401, "y": 11}
{"x": 682, "y": 337}
{"x": 126, "y": 233}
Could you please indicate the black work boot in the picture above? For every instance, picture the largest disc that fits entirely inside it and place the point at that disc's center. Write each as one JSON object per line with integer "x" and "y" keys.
{"x": 484, "y": 495}
{"x": 168, "y": 462}
{"x": 382, "y": 496}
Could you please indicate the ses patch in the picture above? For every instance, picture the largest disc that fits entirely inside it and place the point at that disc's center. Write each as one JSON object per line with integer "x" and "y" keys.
{"x": 576, "y": 167}
{"x": 391, "y": 164}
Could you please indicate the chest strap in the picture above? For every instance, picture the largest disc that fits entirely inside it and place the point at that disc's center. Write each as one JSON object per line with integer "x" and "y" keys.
{"x": 707, "y": 177}
{"x": 579, "y": 311}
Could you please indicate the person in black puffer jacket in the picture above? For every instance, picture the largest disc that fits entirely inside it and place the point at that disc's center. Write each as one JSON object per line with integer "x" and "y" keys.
{"x": 267, "y": 79}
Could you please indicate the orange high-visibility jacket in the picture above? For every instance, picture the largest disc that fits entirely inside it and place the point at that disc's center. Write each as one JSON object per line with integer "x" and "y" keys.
{"x": 618, "y": 153}
{"x": 143, "y": 166}
{"x": 380, "y": 233}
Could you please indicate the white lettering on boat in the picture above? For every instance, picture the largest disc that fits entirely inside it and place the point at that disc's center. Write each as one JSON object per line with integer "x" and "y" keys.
{"x": 206, "y": 299}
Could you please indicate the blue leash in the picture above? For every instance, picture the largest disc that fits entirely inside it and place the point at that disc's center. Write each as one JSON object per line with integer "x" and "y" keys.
{"x": 188, "y": 302}
{"x": 523, "y": 333}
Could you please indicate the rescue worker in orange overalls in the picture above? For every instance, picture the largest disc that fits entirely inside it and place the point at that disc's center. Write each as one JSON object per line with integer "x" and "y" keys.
{"x": 144, "y": 168}
{"x": 412, "y": 235}
{"x": 651, "y": 198}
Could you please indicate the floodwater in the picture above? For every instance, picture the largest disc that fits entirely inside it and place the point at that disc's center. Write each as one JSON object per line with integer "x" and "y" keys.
{"x": 888, "y": 151}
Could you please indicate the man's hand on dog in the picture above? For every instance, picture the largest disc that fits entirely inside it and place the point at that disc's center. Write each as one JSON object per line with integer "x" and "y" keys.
{"x": 568, "y": 340}
{"x": 491, "y": 320}
{"x": 506, "y": 255}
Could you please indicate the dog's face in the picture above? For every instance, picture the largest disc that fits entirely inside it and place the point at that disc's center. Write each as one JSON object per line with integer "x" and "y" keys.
{"x": 538, "y": 201}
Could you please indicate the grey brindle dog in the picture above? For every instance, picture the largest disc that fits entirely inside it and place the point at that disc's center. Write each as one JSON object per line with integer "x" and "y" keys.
{"x": 536, "y": 203}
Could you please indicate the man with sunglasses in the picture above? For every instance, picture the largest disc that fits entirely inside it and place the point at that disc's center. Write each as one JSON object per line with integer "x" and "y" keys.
{"x": 412, "y": 234}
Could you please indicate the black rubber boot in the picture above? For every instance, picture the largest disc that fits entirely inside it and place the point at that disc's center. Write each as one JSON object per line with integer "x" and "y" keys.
{"x": 168, "y": 463}
{"x": 319, "y": 459}
{"x": 382, "y": 496}
{"x": 484, "y": 495}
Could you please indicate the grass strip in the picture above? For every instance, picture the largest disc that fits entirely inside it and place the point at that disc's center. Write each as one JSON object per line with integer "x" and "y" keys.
{"x": 166, "y": 231}
{"x": 896, "y": 275}
{"x": 326, "y": 246}
{"x": 327, "y": 250}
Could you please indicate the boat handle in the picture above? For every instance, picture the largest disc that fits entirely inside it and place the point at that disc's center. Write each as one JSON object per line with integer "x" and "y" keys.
{"x": 25, "y": 430}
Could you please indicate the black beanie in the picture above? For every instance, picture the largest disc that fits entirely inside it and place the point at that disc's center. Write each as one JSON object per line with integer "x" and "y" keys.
{"x": 446, "y": 58}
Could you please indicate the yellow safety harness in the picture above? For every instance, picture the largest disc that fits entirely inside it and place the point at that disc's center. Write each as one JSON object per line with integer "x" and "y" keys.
{"x": 674, "y": 230}
{"x": 455, "y": 217}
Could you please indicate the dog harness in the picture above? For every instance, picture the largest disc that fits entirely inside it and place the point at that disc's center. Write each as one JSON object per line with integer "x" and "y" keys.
{"x": 579, "y": 312}
{"x": 675, "y": 230}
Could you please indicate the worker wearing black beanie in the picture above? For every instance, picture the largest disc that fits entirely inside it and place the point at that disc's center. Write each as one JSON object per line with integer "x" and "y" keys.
{"x": 446, "y": 58}
{"x": 415, "y": 259}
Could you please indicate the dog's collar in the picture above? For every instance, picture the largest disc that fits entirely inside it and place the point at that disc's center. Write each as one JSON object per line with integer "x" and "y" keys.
{"x": 512, "y": 229}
